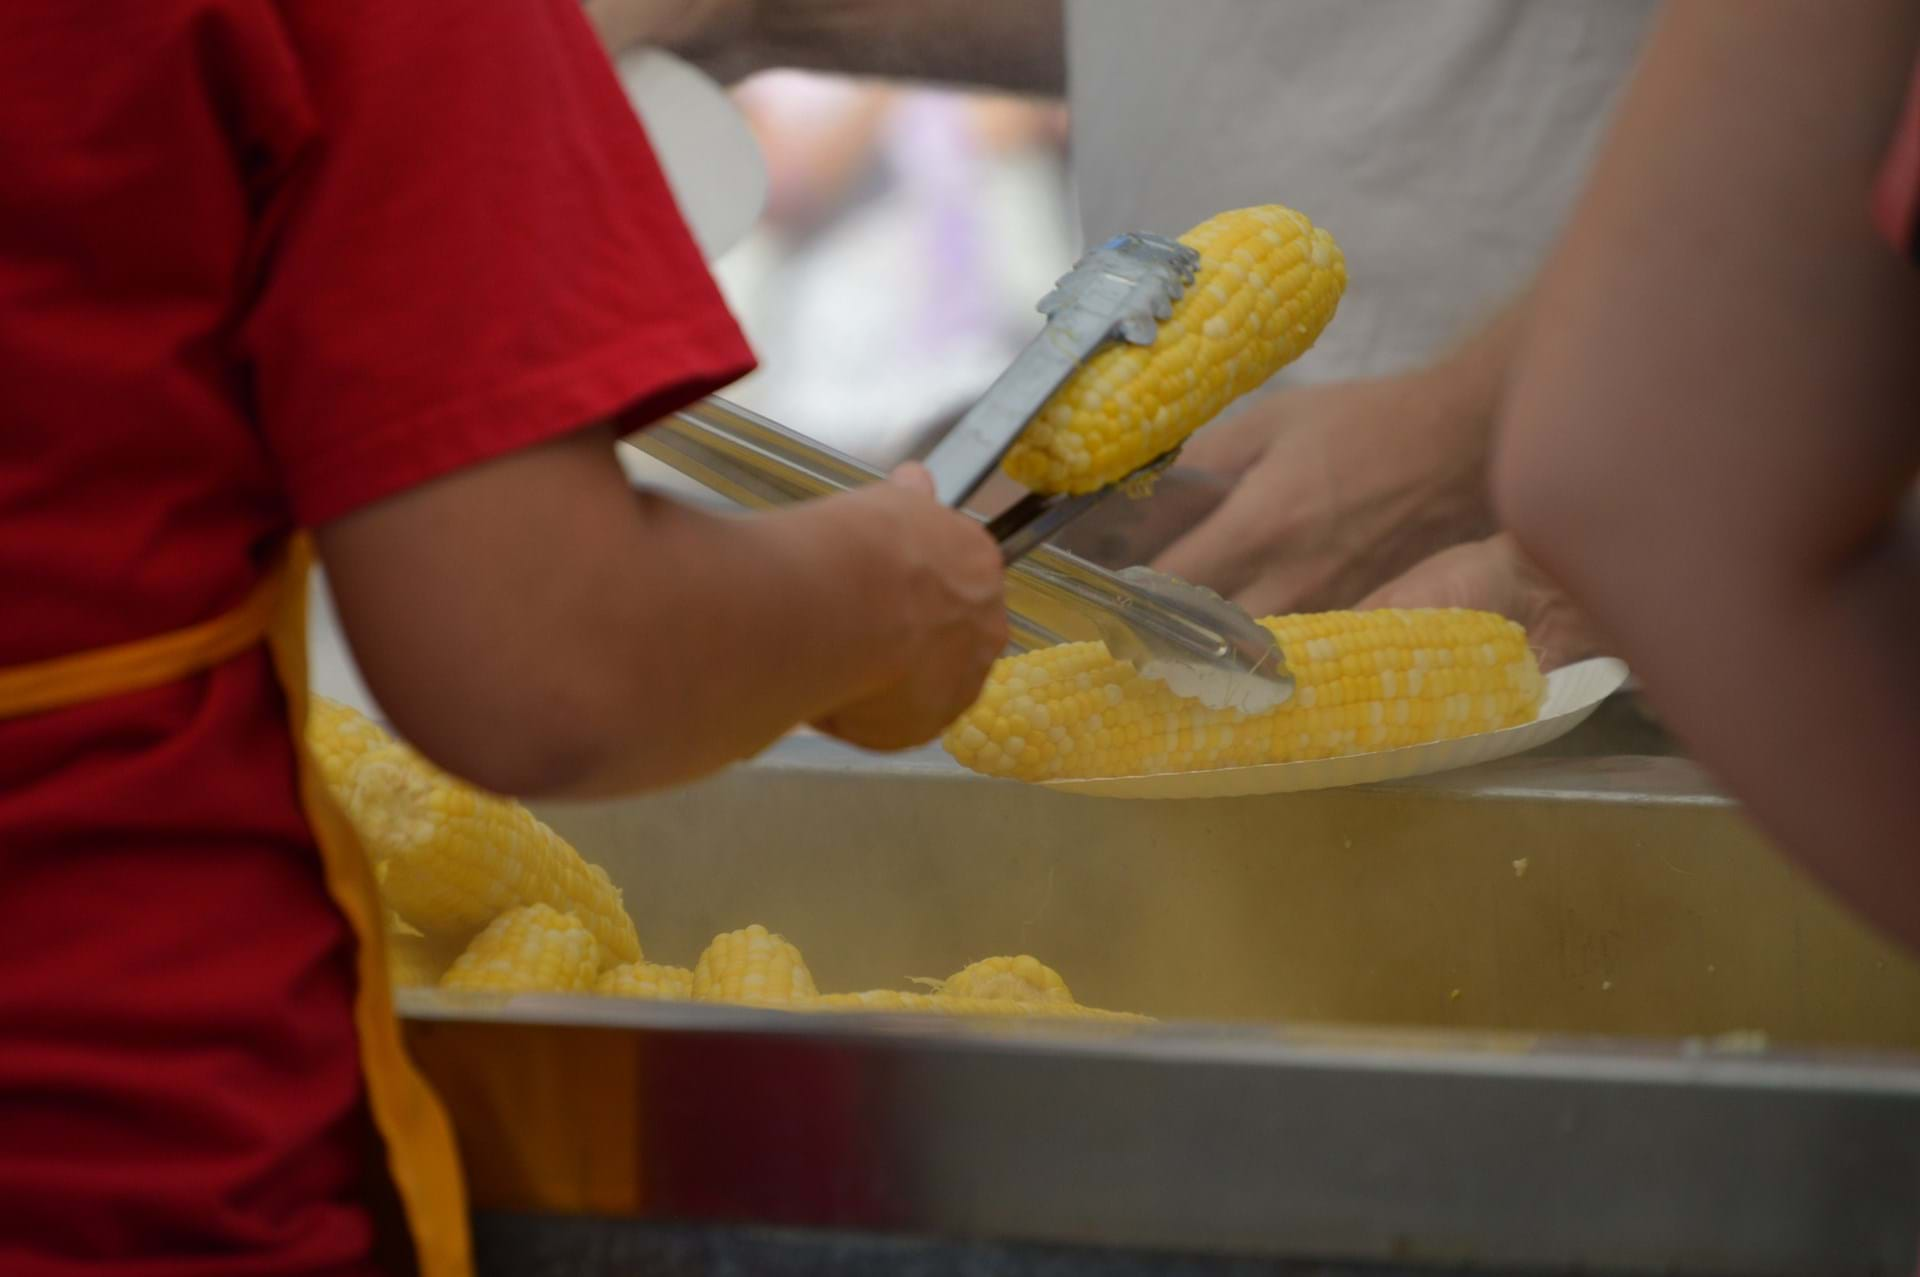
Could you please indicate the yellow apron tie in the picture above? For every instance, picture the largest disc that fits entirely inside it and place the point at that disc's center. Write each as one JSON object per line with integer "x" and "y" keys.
{"x": 421, "y": 1156}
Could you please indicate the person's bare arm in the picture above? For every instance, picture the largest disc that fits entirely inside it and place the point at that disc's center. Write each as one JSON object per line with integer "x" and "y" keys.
{"x": 533, "y": 626}
{"x": 1017, "y": 45}
{"x": 1713, "y": 435}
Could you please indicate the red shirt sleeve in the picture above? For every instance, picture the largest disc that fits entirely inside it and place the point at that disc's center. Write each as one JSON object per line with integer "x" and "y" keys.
{"x": 471, "y": 250}
{"x": 1896, "y": 196}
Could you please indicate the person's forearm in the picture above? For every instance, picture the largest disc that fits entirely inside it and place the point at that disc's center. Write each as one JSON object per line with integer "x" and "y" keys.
{"x": 1016, "y": 45}
{"x": 787, "y": 629}
{"x": 1711, "y": 438}
{"x": 1005, "y": 44}
{"x": 681, "y": 642}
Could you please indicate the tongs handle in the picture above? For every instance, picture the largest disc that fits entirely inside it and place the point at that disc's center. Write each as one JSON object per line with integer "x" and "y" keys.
{"x": 762, "y": 465}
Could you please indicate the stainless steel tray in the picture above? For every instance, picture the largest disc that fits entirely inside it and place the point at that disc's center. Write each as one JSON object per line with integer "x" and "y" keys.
{"x": 1382, "y": 1038}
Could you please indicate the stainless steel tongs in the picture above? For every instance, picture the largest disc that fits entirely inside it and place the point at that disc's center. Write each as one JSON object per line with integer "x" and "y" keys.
{"x": 1192, "y": 639}
{"x": 1118, "y": 292}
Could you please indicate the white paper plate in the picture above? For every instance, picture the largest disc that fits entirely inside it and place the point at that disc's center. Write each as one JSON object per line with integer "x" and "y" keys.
{"x": 710, "y": 157}
{"x": 1572, "y": 694}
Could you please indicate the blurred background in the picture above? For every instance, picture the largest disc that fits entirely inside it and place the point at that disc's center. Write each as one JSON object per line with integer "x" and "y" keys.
{"x": 909, "y": 234}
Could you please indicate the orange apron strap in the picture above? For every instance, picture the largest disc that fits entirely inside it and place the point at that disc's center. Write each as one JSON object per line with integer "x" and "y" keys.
{"x": 421, "y": 1156}
{"x": 134, "y": 667}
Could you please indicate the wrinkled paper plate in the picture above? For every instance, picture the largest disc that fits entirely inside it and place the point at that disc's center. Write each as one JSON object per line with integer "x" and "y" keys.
{"x": 1572, "y": 694}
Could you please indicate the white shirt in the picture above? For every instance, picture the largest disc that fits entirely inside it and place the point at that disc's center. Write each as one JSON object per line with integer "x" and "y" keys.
{"x": 1442, "y": 142}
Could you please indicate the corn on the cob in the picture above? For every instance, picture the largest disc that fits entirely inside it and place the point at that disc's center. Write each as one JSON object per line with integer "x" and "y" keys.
{"x": 338, "y": 735}
{"x": 752, "y": 966}
{"x": 532, "y": 949}
{"x": 1021, "y": 979}
{"x": 452, "y": 857}
{"x": 1268, "y": 283}
{"x": 647, "y": 980}
{"x": 1363, "y": 681}
{"x": 947, "y": 1004}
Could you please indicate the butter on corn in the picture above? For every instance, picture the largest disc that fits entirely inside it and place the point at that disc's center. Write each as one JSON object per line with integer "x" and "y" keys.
{"x": 531, "y": 949}
{"x": 1363, "y": 681}
{"x": 1267, "y": 285}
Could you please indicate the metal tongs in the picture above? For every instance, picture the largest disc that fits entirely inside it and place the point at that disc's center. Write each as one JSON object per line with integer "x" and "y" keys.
{"x": 1198, "y": 643}
{"x": 1120, "y": 291}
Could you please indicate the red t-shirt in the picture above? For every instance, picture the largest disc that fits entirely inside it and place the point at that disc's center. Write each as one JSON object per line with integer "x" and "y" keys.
{"x": 261, "y": 262}
{"x": 1896, "y": 196}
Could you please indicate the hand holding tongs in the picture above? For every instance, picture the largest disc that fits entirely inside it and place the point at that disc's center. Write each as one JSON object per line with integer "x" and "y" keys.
{"x": 1158, "y": 624}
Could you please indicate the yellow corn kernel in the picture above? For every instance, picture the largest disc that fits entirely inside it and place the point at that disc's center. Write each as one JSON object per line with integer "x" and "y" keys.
{"x": 338, "y": 735}
{"x": 1267, "y": 285}
{"x": 646, "y": 980}
{"x": 1021, "y": 979}
{"x": 1363, "y": 681}
{"x": 452, "y": 857}
{"x": 531, "y": 949}
{"x": 946, "y": 1004}
{"x": 752, "y": 966}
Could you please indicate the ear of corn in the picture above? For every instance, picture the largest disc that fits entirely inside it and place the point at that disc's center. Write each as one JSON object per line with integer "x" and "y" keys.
{"x": 752, "y": 966}
{"x": 452, "y": 857}
{"x": 1363, "y": 681}
{"x": 646, "y": 980}
{"x": 338, "y": 736}
{"x": 531, "y": 949}
{"x": 1267, "y": 285}
{"x": 447, "y": 854}
{"x": 1021, "y": 979}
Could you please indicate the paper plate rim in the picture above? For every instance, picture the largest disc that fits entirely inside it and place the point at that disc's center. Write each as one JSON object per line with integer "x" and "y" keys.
{"x": 1579, "y": 688}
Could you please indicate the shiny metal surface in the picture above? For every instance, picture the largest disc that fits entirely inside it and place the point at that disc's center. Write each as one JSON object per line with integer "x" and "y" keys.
{"x": 1612, "y": 895}
{"x": 514, "y": 1244}
{"x": 1554, "y": 1015}
{"x": 1435, "y": 1148}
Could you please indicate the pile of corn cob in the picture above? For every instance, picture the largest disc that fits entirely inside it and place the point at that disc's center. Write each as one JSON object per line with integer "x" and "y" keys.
{"x": 1267, "y": 284}
{"x": 483, "y": 897}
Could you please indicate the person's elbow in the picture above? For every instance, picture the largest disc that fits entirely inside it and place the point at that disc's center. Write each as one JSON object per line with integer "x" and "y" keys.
{"x": 492, "y": 614}
{"x": 528, "y": 737}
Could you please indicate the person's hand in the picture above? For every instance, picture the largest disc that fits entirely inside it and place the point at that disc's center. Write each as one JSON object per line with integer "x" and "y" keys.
{"x": 1336, "y": 489}
{"x": 1122, "y": 531}
{"x": 714, "y": 33}
{"x": 1495, "y": 575}
{"x": 942, "y": 605}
